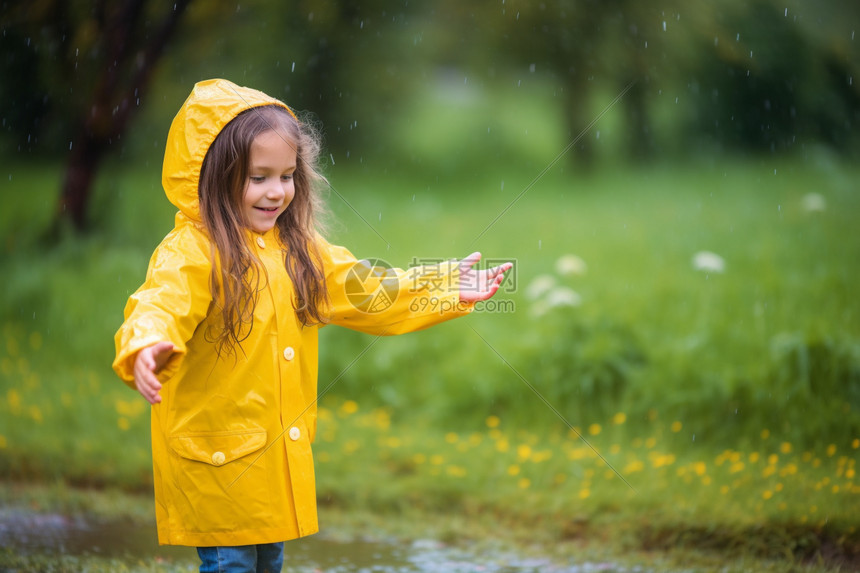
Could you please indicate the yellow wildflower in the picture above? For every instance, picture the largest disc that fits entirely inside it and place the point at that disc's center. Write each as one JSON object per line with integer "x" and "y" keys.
{"x": 456, "y": 471}
{"x": 493, "y": 421}
{"x": 13, "y": 398}
{"x": 524, "y": 452}
{"x": 349, "y": 407}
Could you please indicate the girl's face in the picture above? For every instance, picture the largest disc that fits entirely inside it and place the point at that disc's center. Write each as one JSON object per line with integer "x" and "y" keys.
{"x": 270, "y": 187}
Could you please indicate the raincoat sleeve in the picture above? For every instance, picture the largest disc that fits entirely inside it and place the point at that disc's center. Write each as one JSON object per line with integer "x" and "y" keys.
{"x": 169, "y": 305}
{"x": 385, "y": 301}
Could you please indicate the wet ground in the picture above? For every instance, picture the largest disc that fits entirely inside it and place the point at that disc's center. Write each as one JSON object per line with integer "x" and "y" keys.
{"x": 49, "y": 534}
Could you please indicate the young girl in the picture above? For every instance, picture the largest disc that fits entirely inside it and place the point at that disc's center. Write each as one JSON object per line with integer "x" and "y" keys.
{"x": 222, "y": 336}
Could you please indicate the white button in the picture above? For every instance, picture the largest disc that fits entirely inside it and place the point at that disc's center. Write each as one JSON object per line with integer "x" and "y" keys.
{"x": 218, "y": 458}
{"x": 261, "y": 242}
{"x": 295, "y": 433}
{"x": 289, "y": 353}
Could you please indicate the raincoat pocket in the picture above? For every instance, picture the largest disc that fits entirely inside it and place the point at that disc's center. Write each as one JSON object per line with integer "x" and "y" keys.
{"x": 218, "y": 448}
{"x": 224, "y": 481}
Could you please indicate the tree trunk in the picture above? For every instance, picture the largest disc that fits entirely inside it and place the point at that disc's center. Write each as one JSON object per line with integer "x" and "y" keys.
{"x": 86, "y": 156}
{"x": 108, "y": 112}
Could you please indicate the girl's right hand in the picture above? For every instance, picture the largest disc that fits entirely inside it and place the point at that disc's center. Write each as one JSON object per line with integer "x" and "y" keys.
{"x": 148, "y": 363}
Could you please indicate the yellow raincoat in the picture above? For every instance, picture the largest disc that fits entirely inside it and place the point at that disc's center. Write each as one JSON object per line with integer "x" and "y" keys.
{"x": 231, "y": 439}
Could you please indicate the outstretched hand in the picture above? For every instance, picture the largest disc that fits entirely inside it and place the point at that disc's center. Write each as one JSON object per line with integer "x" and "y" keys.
{"x": 480, "y": 284}
{"x": 148, "y": 363}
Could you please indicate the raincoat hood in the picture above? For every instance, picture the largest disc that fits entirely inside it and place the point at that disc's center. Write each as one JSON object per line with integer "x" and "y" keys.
{"x": 211, "y": 105}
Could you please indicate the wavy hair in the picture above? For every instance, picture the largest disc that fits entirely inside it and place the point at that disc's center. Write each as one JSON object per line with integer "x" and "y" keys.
{"x": 237, "y": 273}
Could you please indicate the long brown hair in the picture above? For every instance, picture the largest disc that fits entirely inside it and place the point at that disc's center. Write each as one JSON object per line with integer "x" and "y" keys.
{"x": 236, "y": 273}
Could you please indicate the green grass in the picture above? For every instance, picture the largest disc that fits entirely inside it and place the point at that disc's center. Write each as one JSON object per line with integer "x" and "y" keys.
{"x": 711, "y": 373}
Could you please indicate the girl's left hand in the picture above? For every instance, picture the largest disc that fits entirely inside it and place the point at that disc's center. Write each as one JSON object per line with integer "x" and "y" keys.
{"x": 481, "y": 284}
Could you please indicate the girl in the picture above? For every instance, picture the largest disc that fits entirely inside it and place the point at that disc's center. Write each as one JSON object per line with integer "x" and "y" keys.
{"x": 222, "y": 336}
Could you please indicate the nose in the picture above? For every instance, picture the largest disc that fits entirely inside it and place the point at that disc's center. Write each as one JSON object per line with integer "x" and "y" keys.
{"x": 275, "y": 191}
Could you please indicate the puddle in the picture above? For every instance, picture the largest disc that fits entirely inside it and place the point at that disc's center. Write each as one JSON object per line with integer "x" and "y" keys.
{"x": 54, "y": 534}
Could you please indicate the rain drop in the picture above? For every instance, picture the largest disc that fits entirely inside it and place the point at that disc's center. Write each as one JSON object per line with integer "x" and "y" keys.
{"x": 738, "y": 37}
{"x": 332, "y": 158}
{"x": 664, "y": 25}
{"x": 380, "y": 215}
{"x": 293, "y": 68}
{"x": 539, "y": 244}
{"x": 503, "y": 184}
{"x": 597, "y": 135}
{"x": 361, "y": 25}
{"x": 532, "y": 68}
{"x": 716, "y": 41}
{"x": 786, "y": 12}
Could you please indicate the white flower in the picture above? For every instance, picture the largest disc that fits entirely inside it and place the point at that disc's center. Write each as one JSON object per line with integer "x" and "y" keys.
{"x": 539, "y": 308}
{"x": 563, "y": 296}
{"x": 539, "y": 285}
{"x": 570, "y": 265}
{"x": 708, "y": 262}
{"x": 814, "y": 202}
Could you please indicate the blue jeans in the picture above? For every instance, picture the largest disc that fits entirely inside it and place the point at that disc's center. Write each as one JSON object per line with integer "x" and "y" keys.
{"x": 266, "y": 558}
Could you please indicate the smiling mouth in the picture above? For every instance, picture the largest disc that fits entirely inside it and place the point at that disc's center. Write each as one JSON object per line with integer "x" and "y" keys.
{"x": 267, "y": 209}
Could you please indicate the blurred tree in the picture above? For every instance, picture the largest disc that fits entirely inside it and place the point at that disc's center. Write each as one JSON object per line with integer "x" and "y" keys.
{"x": 767, "y": 75}
{"x": 88, "y": 64}
{"x": 582, "y": 44}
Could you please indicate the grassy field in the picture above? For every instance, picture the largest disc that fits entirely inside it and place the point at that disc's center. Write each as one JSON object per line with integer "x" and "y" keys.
{"x": 728, "y": 397}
